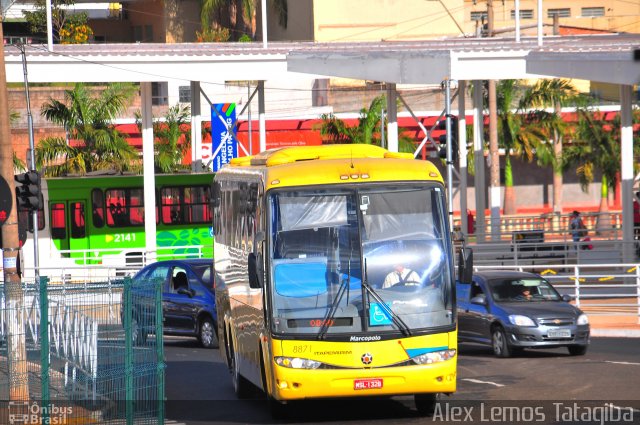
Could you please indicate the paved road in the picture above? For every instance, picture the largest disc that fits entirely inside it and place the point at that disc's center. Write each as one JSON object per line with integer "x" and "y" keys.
{"x": 199, "y": 389}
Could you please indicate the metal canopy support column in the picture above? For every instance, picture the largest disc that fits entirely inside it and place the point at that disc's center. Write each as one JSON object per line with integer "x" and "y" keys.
{"x": 261, "y": 117}
{"x": 462, "y": 155}
{"x": 149, "y": 173}
{"x": 447, "y": 108}
{"x": 478, "y": 155}
{"x": 392, "y": 118}
{"x": 626, "y": 167}
{"x": 196, "y": 127}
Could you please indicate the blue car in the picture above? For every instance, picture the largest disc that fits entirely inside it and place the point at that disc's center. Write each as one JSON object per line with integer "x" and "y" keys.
{"x": 188, "y": 300}
{"x": 511, "y": 311}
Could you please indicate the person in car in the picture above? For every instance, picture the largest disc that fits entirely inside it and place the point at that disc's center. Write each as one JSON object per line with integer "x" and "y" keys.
{"x": 525, "y": 294}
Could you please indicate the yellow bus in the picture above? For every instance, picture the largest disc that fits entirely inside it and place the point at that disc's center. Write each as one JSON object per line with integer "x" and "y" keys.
{"x": 308, "y": 242}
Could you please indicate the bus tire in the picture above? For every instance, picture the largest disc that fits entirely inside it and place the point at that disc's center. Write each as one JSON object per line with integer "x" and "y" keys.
{"x": 206, "y": 333}
{"x": 426, "y": 403}
{"x": 240, "y": 384}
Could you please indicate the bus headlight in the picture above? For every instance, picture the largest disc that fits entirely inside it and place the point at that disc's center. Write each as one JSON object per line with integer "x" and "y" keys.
{"x": 297, "y": 363}
{"x": 435, "y": 357}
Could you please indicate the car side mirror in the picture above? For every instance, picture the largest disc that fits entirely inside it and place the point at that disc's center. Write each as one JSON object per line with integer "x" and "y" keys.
{"x": 186, "y": 291}
{"x": 567, "y": 298}
{"x": 479, "y": 300}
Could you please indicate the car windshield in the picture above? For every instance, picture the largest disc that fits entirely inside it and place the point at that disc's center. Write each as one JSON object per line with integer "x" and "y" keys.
{"x": 347, "y": 261}
{"x": 523, "y": 290}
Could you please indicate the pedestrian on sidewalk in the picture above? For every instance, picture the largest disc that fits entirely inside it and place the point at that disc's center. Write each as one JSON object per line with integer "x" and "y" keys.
{"x": 577, "y": 228}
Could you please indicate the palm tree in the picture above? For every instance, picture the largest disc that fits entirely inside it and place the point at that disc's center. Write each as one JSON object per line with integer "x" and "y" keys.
{"x": 555, "y": 93}
{"x": 239, "y": 15}
{"x": 172, "y": 139}
{"x": 334, "y": 130}
{"x": 88, "y": 119}
{"x": 595, "y": 148}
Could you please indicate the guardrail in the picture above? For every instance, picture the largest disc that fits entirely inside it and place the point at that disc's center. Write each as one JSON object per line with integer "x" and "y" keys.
{"x": 599, "y": 289}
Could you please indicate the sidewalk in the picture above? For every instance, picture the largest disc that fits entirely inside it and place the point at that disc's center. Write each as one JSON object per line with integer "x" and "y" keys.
{"x": 614, "y": 326}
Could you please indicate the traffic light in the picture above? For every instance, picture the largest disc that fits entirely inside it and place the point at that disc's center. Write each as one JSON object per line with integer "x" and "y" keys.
{"x": 28, "y": 194}
{"x": 442, "y": 139}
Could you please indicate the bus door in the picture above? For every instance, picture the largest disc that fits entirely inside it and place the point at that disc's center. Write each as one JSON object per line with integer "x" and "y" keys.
{"x": 68, "y": 225}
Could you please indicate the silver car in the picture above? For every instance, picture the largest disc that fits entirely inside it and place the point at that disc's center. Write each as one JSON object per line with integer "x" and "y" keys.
{"x": 515, "y": 310}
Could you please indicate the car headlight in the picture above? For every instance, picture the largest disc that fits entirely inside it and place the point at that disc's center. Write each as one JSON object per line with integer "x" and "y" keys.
{"x": 519, "y": 320}
{"x": 297, "y": 363}
{"x": 434, "y": 357}
{"x": 582, "y": 320}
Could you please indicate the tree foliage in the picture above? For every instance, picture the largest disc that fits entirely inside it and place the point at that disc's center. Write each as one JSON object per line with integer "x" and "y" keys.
{"x": 172, "y": 139}
{"x": 367, "y": 130}
{"x": 66, "y": 26}
{"x": 87, "y": 118}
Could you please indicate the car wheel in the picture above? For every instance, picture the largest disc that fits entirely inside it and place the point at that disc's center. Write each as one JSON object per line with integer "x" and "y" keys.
{"x": 500, "y": 344}
{"x": 240, "y": 384}
{"x": 577, "y": 350}
{"x": 426, "y": 403}
{"x": 138, "y": 334}
{"x": 206, "y": 333}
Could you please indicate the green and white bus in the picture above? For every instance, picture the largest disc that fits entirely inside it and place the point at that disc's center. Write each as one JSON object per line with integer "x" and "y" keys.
{"x": 100, "y": 221}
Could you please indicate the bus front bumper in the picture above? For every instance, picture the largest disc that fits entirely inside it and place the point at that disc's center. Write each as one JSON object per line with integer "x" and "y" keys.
{"x": 296, "y": 384}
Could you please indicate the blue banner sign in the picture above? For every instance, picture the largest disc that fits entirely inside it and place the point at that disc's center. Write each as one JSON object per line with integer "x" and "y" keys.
{"x": 224, "y": 144}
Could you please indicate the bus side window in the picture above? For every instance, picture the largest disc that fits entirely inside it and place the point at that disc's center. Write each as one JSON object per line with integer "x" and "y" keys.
{"x": 97, "y": 201}
{"x": 78, "y": 228}
{"x": 58, "y": 228}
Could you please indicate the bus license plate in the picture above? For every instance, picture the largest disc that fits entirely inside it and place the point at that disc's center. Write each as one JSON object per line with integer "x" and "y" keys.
{"x": 367, "y": 384}
{"x": 559, "y": 333}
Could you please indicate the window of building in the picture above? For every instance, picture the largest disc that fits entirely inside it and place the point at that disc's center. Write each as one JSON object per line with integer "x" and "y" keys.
{"x": 125, "y": 207}
{"x": 561, "y": 13}
{"x": 524, "y": 14}
{"x": 592, "y": 11}
{"x": 479, "y": 16}
{"x": 184, "y": 94}
{"x": 159, "y": 93}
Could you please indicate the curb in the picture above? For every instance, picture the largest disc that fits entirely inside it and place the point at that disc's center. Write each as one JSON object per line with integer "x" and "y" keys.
{"x": 617, "y": 333}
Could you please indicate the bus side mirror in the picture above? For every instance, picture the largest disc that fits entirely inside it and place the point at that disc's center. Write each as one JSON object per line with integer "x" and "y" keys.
{"x": 465, "y": 265}
{"x": 255, "y": 271}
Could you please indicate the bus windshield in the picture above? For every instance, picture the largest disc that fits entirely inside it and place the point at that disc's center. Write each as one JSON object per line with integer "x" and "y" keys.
{"x": 371, "y": 259}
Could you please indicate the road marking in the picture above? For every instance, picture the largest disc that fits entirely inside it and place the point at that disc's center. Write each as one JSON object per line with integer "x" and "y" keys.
{"x": 477, "y": 381}
{"x": 627, "y": 363}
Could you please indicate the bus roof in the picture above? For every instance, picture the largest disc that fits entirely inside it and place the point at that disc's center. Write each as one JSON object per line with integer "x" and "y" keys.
{"x": 333, "y": 164}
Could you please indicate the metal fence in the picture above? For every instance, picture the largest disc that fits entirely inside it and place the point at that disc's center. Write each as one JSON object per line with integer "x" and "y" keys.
{"x": 93, "y": 353}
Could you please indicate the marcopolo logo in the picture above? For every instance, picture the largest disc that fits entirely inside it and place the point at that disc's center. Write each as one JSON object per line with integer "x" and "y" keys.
{"x": 25, "y": 412}
{"x": 355, "y": 338}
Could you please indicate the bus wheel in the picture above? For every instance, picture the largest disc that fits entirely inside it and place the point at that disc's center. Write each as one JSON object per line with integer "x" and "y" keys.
{"x": 240, "y": 385}
{"x": 426, "y": 403}
{"x": 206, "y": 334}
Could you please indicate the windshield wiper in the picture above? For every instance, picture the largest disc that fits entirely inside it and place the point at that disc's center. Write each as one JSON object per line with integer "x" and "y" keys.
{"x": 390, "y": 313}
{"x": 344, "y": 284}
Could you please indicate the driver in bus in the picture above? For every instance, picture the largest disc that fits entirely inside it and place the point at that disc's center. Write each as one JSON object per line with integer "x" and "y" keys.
{"x": 401, "y": 275}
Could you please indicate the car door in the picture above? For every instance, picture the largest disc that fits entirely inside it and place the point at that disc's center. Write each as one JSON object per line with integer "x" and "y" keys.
{"x": 181, "y": 308}
{"x": 477, "y": 314}
{"x": 462, "y": 297}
